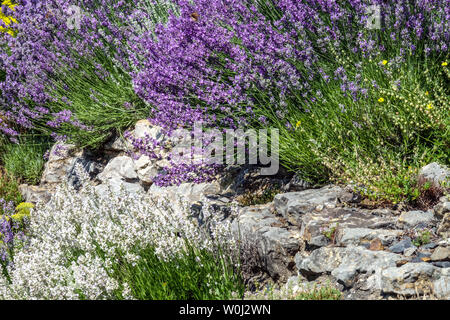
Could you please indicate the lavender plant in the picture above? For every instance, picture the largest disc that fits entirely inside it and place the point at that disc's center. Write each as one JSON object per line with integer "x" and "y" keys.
{"x": 371, "y": 98}
{"x": 317, "y": 70}
{"x": 63, "y": 80}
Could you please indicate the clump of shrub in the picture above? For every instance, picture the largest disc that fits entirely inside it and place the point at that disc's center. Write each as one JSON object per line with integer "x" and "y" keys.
{"x": 422, "y": 237}
{"x": 117, "y": 245}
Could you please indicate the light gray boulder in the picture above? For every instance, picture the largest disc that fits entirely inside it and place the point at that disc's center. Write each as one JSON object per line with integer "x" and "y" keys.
{"x": 115, "y": 185}
{"x": 60, "y": 161}
{"x": 435, "y": 174}
{"x": 412, "y": 219}
{"x": 416, "y": 278}
{"x": 345, "y": 264}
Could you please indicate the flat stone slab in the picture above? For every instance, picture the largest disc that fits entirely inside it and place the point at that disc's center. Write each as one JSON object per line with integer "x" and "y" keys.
{"x": 412, "y": 219}
{"x": 293, "y": 205}
{"x": 119, "y": 167}
{"x": 314, "y": 224}
{"x": 357, "y": 236}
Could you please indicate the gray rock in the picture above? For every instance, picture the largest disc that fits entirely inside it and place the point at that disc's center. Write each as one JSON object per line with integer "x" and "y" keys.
{"x": 119, "y": 168}
{"x": 435, "y": 173}
{"x": 276, "y": 246}
{"x": 345, "y": 263}
{"x": 401, "y": 246}
{"x": 442, "y": 207}
{"x": 421, "y": 257}
{"x": 294, "y": 204}
{"x": 409, "y": 252}
{"x": 298, "y": 258}
{"x": 430, "y": 245}
{"x": 441, "y": 254}
{"x": 146, "y": 169}
{"x": 414, "y": 218}
{"x": 413, "y": 278}
{"x": 144, "y": 128}
{"x": 297, "y": 184}
{"x": 192, "y": 192}
{"x": 115, "y": 185}
{"x": 61, "y": 159}
{"x": 319, "y": 241}
{"x": 442, "y": 264}
{"x": 444, "y": 227}
{"x": 356, "y": 236}
{"x": 313, "y": 224}
{"x": 441, "y": 286}
{"x": 118, "y": 144}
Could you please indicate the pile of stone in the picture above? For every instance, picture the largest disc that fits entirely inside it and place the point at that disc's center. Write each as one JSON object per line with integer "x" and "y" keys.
{"x": 315, "y": 235}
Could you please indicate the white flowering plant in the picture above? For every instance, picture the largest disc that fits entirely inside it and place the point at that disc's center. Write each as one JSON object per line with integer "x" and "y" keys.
{"x": 118, "y": 245}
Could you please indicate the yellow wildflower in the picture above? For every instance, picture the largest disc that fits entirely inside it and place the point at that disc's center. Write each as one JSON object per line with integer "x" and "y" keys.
{"x": 444, "y": 64}
{"x": 427, "y": 93}
{"x": 381, "y": 100}
{"x": 23, "y": 211}
{"x": 7, "y": 20}
{"x": 429, "y": 106}
{"x": 297, "y": 125}
{"x": 385, "y": 62}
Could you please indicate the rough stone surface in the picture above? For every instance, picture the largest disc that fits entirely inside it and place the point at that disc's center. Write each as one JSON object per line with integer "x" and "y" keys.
{"x": 314, "y": 224}
{"x": 257, "y": 226}
{"x": 442, "y": 207}
{"x": 119, "y": 168}
{"x": 435, "y": 173}
{"x": 190, "y": 191}
{"x": 401, "y": 246}
{"x": 414, "y": 218}
{"x": 317, "y": 235}
{"x": 444, "y": 226}
{"x": 35, "y": 194}
{"x": 356, "y": 236}
{"x": 345, "y": 263}
{"x": 118, "y": 145}
{"x": 294, "y": 204}
{"x": 91, "y": 167}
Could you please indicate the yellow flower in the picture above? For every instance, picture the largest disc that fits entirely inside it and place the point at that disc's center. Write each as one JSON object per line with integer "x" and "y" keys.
{"x": 444, "y": 64}
{"x": 7, "y": 20}
{"x": 429, "y": 106}
{"x": 298, "y": 124}
{"x": 381, "y": 100}
{"x": 23, "y": 211}
{"x": 385, "y": 62}
{"x": 427, "y": 93}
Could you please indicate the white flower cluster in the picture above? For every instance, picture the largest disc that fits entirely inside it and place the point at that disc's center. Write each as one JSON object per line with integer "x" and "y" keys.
{"x": 61, "y": 261}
